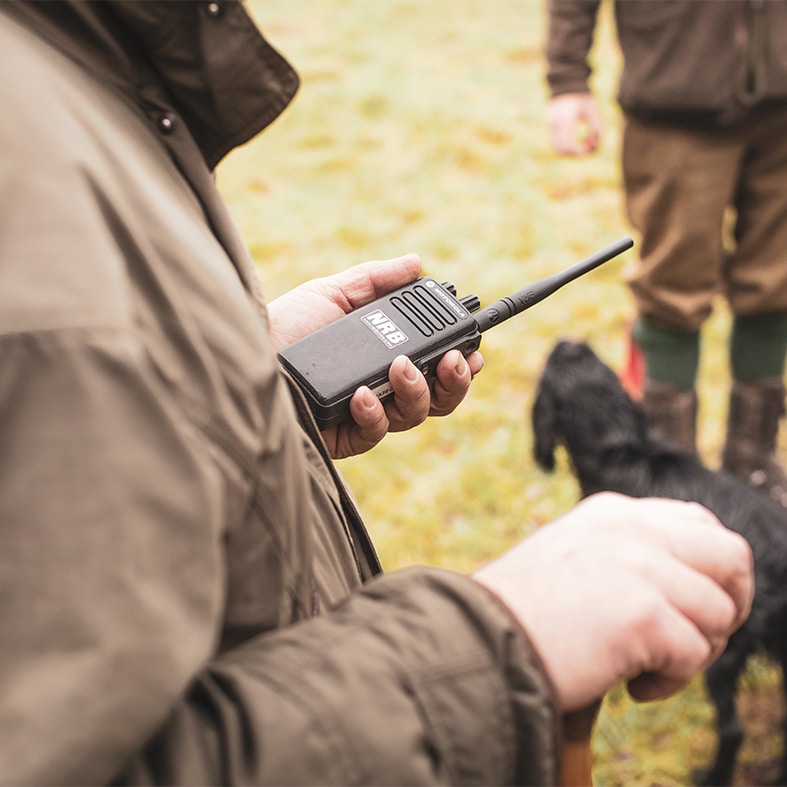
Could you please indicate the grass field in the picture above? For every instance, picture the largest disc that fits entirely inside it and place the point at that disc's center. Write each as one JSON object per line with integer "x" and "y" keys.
{"x": 420, "y": 127}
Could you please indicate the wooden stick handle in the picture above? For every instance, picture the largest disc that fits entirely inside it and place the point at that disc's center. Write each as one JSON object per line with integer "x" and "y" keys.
{"x": 576, "y": 765}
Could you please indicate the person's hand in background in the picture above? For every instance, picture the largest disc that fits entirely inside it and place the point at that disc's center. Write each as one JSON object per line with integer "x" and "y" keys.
{"x": 574, "y": 123}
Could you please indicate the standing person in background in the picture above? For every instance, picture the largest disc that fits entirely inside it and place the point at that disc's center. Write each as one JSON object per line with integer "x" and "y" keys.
{"x": 703, "y": 90}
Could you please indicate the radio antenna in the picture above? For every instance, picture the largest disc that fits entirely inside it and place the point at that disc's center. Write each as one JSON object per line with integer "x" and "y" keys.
{"x": 528, "y": 296}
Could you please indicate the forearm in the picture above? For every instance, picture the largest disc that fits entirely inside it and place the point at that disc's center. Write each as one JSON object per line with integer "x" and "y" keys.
{"x": 421, "y": 678}
{"x": 570, "y": 29}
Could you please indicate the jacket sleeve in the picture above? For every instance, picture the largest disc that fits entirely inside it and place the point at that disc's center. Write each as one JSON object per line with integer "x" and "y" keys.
{"x": 570, "y": 29}
{"x": 421, "y": 678}
{"x": 111, "y": 577}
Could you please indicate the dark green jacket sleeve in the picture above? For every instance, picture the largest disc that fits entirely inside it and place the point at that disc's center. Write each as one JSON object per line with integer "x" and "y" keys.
{"x": 570, "y": 28}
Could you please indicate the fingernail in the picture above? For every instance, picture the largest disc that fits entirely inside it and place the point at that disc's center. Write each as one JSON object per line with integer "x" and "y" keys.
{"x": 369, "y": 400}
{"x": 410, "y": 372}
{"x": 461, "y": 365}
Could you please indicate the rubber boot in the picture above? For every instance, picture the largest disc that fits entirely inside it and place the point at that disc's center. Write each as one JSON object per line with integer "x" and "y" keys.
{"x": 752, "y": 428}
{"x": 671, "y": 414}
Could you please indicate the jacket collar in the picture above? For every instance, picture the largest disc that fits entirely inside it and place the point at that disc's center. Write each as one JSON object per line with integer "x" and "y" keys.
{"x": 221, "y": 74}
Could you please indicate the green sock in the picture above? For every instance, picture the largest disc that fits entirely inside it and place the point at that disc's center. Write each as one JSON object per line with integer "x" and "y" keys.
{"x": 671, "y": 356}
{"x": 757, "y": 347}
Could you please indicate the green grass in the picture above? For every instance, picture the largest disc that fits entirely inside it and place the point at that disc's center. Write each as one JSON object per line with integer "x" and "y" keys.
{"x": 420, "y": 127}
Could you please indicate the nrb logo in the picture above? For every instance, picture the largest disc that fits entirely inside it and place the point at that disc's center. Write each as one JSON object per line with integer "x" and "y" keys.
{"x": 384, "y": 328}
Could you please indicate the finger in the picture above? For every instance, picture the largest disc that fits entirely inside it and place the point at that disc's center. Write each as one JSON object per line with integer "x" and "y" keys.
{"x": 364, "y": 282}
{"x": 678, "y": 652}
{"x": 593, "y": 128}
{"x": 476, "y": 362}
{"x": 566, "y": 136}
{"x": 565, "y": 143}
{"x": 693, "y": 534}
{"x": 368, "y": 427}
{"x": 680, "y": 638}
{"x": 369, "y": 415}
{"x": 697, "y": 538}
{"x": 451, "y": 384}
{"x": 651, "y": 686}
{"x": 701, "y": 601}
{"x": 589, "y": 144}
{"x": 409, "y": 406}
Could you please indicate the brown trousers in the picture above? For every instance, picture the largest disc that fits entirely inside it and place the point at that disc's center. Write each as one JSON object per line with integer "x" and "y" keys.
{"x": 711, "y": 208}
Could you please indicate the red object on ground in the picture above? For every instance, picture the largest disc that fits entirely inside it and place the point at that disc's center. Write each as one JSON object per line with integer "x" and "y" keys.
{"x": 632, "y": 377}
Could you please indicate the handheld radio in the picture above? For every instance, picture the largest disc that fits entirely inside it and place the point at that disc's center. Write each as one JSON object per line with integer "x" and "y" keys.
{"x": 423, "y": 320}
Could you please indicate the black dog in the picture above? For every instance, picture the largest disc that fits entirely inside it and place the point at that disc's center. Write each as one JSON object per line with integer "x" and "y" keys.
{"x": 581, "y": 404}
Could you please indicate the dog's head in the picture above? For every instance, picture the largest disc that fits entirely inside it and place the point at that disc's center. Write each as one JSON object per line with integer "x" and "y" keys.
{"x": 580, "y": 403}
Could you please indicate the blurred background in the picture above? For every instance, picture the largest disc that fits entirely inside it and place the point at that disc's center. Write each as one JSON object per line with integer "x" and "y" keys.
{"x": 421, "y": 127}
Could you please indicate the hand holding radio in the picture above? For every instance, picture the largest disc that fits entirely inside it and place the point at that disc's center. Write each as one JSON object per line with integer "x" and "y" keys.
{"x": 321, "y": 301}
{"x": 422, "y": 319}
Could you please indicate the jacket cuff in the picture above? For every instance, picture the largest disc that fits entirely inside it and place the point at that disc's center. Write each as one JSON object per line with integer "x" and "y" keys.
{"x": 559, "y": 86}
{"x": 536, "y": 731}
{"x": 534, "y": 700}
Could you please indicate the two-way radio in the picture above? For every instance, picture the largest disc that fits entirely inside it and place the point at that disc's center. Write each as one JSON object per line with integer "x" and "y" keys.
{"x": 423, "y": 320}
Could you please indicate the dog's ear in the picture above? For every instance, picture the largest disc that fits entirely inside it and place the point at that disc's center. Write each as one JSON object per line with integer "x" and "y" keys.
{"x": 544, "y": 423}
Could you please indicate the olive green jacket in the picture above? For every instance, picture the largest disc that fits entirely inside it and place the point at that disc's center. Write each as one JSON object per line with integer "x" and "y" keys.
{"x": 693, "y": 60}
{"x": 187, "y": 592}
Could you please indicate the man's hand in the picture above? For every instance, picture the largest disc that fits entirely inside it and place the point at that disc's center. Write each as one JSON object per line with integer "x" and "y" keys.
{"x": 574, "y": 124}
{"x": 646, "y": 591}
{"x": 321, "y": 301}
